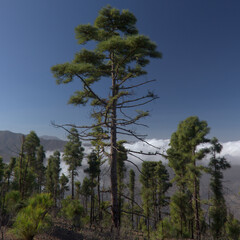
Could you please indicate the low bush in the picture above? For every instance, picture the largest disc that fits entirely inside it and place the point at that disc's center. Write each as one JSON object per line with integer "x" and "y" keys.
{"x": 33, "y": 218}
{"x": 73, "y": 211}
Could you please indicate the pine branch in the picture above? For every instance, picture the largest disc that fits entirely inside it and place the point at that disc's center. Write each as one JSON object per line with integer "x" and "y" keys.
{"x": 149, "y": 153}
{"x": 140, "y": 104}
{"x": 137, "y": 85}
{"x": 90, "y": 90}
{"x": 137, "y": 99}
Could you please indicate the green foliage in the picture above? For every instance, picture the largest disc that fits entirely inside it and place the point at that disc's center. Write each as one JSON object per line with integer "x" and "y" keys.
{"x": 78, "y": 189}
{"x": 121, "y": 168}
{"x": 155, "y": 183}
{"x": 181, "y": 213}
{"x": 118, "y": 58}
{"x": 31, "y": 143}
{"x": 73, "y": 211}
{"x": 218, "y": 209}
{"x": 132, "y": 193}
{"x": 120, "y": 53}
{"x": 73, "y": 154}
{"x": 52, "y": 175}
{"x": 34, "y": 218}
{"x": 40, "y": 168}
{"x": 165, "y": 229}
{"x": 63, "y": 184}
{"x": 232, "y": 228}
{"x": 9, "y": 170}
{"x": 13, "y": 202}
{"x": 93, "y": 169}
{"x": 28, "y": 166}
{"x": 86, "y": 191}
{"x": 86, "y": 187}
{"x": 1, "y": 170}
{"x": 183, "y": 156}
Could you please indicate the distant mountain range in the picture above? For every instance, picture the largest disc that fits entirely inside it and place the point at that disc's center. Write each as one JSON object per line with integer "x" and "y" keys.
{"x": 10, "y": 144}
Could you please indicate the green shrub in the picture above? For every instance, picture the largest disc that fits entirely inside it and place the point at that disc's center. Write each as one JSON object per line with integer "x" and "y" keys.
{"x": 33, "y": 218}
{"x": 13, "y": 202}
{"x": 232, "y": 228}
{"x": 165, "y": 229}
{"x": 73, "y": 211}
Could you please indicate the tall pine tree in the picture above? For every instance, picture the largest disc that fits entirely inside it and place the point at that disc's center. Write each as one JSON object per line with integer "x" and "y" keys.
{"x": 183, "y": 157}
{"x": 118, "y": 59}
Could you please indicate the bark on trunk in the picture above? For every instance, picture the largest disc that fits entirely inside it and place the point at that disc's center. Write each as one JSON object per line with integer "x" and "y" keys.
{"x": 114, "y": 183}
{"x": 20, "y": 168}
{"x": 72, "y": 184}
{"x": 196, "y": 204}
{"x": 99, "y": 200}
{"x": 197, "y": 225}
{"x": 113, "y": 154}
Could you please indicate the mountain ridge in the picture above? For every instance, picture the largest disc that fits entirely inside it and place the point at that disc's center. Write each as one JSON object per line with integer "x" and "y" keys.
{"x": 10, "y": 144}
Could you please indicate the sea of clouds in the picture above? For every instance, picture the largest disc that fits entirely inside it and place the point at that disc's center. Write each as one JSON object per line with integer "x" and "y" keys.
{"x": 231, "y": 151}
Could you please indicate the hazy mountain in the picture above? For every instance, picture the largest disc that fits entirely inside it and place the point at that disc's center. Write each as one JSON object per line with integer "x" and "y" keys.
{"x": 10, "y": 144}
{"x": 46, "y": 137}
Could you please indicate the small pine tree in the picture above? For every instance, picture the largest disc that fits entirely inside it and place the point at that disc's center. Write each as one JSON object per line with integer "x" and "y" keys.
{"x": 73, "y": 211}
{"x": 34, "y": 218}
{"x": 40, "y": 169}
{"x": 63, "y": 185}
{"x": 121, "y": 170}
{"x": 93, "y": 171}
{"x": 52, "y": 175}
{"x": 232, "y": 226}
{"x": 132, "y": 193}
{"x": 218, "y": 209}
{"x": 73, "y": 155}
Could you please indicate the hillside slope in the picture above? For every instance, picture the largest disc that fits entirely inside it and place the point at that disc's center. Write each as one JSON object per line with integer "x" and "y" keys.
{"x": 10, "y": 144}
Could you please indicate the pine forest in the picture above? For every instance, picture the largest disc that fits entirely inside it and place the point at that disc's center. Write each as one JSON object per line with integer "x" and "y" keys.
{"x": 103, "y": 193}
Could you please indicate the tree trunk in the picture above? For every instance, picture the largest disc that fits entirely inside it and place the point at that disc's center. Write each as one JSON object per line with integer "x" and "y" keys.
{"x": 114, "y": 183}
{"x": 72, "y": 184}
{"x": 197, "y": 225}
{"x": 132, "y": 218}
{"x": 196, "y": 205}
{"x": 91, "y": 207}
{"x": 99, "y": 200}
{"x": 20, "y": 169}
{"x": 113, "y": 154}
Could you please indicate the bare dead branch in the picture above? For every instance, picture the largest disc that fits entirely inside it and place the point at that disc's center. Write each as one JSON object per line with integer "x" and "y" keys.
{"x": 140, "y": 104}
{"x": 134, "y": 165}
{"x": 131, "y": 200}
{"x": 129, "y": 134}
{"x": 136, "y": 156}
{"x": 137, "y": 85}
{"x": 134, "y": 100}
{"x": 148, "y": 154}
{"x": 90, "y": 90}
{"x": 136, "y": 136}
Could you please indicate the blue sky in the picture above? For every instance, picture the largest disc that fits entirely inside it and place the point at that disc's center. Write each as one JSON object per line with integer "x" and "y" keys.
{"x": 198, "y": 74}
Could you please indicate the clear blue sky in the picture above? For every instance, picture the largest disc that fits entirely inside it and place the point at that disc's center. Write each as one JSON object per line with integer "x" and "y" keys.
{"x": 198, "y": 74}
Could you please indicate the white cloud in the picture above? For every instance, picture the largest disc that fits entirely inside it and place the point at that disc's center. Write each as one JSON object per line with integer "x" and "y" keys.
{"x": 160, "y": 145}
{"x": 231, "y": 150}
